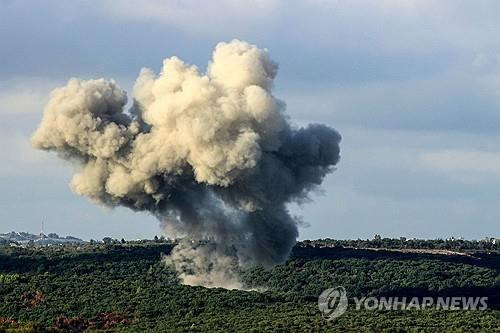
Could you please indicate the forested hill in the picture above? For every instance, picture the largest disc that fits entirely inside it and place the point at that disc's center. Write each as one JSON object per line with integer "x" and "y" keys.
{"x": 125, "y": 286}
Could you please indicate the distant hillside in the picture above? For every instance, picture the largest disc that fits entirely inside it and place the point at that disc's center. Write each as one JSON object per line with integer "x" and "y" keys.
{"x": 126, "y": 287}
{"x": 23, "y": 238}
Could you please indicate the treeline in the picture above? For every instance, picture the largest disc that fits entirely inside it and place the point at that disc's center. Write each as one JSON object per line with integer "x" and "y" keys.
{"x": 402, "y": 243}
{"x": 451, "y": 244}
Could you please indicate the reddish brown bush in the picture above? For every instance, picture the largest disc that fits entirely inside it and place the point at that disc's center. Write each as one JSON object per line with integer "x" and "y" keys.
{"x": 31, "y": 300}
{"x": 74, "y": 324}
{"x": 103, "y": 321}
{"x": 7, "y": 321}
{"x": 109, "y": 320}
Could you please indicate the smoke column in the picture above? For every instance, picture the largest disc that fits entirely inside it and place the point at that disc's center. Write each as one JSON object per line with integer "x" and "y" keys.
{"x": 212, "y": 156}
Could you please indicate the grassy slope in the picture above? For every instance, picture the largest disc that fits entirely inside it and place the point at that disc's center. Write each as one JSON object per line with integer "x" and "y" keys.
{"x": 133, "y": 282}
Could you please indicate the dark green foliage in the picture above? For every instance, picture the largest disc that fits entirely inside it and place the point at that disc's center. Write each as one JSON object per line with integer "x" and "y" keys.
{"x": 452, "y": 244}
{"x": 126, "y": 287}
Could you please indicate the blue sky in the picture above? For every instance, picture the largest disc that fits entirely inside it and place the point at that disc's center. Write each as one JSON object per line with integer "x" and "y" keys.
{"x": 412, "y": 86}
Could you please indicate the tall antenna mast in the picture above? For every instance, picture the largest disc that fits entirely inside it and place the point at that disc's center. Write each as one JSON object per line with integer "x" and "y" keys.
{"x": 43, "y": 225}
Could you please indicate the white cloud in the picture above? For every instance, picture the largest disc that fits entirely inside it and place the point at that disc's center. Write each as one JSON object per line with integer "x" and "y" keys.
{"x": 462, "y": 99}
{"x": 390, "y": 25}
{"x": 17, "y": 150}
{"x": 21, "y": 101}
{"x": 202, "y": 17}
{"x": 24, "y": 95}
{"x": 468, "y": 166}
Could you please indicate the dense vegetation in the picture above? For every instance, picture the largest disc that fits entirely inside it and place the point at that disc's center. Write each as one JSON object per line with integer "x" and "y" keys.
{"x": 123, "y": 286}
{"x": 451, "y": 244}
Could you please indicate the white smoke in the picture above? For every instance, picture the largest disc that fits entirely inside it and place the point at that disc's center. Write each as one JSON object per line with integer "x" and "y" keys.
{"x": 199, "y": 265}
{"x": 211, "y": 155}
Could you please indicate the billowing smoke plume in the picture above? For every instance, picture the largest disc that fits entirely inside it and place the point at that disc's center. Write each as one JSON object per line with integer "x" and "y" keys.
{"x": 204, "y": 265}
{"x": 211, "y": 155}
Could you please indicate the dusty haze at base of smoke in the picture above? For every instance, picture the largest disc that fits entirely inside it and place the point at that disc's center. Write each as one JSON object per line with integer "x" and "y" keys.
{"x": 212, "y": 155}
{"x": 202, "y": 265}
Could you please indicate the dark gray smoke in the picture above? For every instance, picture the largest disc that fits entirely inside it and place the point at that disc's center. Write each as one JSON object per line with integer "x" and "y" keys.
{"x": 211, "y": 155}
